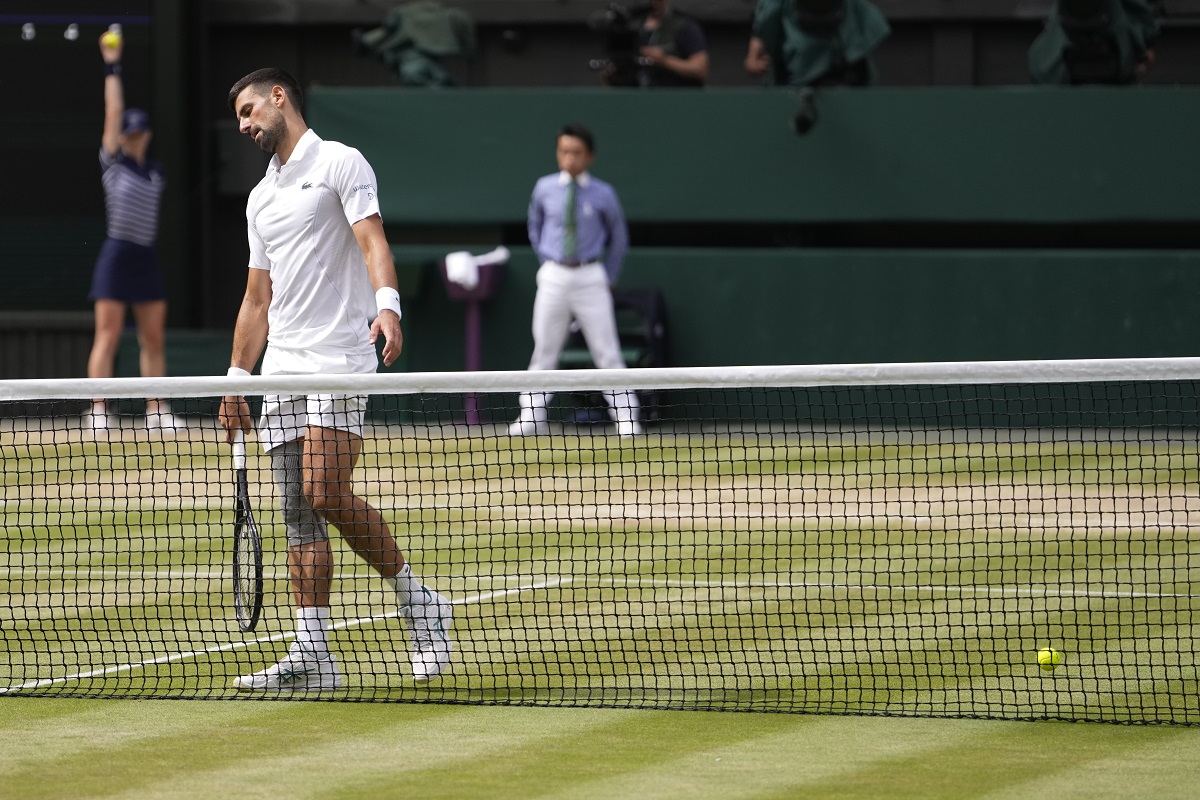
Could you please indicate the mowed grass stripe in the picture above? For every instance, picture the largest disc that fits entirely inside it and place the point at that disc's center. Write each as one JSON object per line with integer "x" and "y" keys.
{"x": 1158, "y": 763}
{"x": 186, "y": 750}
{"x": 65, "y": 735}
{"x": 633, "y": 754}
{"x": 767, "y": 762}
{"x": 265, "y": 748}
{"x": 1012, "y": 763}
{"x": 371, "y": 754}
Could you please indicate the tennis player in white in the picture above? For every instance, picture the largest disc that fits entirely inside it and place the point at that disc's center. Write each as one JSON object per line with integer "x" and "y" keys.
{"x": 317, "y": 251}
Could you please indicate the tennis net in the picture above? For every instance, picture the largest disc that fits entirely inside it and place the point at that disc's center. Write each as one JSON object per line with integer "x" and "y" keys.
{"x": 900, "y": 539}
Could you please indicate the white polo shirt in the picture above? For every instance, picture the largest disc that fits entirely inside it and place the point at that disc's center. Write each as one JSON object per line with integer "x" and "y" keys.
{"x": 298, "y": 222}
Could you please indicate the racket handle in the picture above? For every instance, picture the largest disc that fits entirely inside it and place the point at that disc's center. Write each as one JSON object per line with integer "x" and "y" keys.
{"x": 239, "y": 450}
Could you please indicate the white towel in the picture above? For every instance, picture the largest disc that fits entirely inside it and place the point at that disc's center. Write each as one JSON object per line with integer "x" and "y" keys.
{"x": 497, "y": 256}
{"x": 463, "y": 268}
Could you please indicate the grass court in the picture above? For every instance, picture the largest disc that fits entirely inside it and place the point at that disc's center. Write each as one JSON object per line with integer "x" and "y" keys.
{"x": 888, "y": 573}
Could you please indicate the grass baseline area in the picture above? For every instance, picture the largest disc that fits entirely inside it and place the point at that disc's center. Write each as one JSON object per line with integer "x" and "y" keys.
{"x": 59, "y": 748}
{"x": 829, "y": 571}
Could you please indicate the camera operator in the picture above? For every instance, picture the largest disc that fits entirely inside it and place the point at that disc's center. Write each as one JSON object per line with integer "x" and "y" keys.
{"x": 673, "y": 48}
{"x": 652, "y": 45}
{"x": 815, "y": 42}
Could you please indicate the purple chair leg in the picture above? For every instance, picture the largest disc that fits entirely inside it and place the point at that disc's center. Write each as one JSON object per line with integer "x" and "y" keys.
{"x": 474, "y": 336}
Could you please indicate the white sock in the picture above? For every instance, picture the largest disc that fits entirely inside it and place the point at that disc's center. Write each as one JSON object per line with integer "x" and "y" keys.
{"x": 312, "y": 624}
{"x": 408, "y": 589}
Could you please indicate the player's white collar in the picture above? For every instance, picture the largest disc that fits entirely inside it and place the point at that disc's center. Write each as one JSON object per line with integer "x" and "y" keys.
{"x": 306, "y": 140}
{"x": 564, "y": 178}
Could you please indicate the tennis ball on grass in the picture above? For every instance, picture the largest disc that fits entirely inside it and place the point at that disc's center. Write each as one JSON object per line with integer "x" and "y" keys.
{"x": 1049, "y": 659}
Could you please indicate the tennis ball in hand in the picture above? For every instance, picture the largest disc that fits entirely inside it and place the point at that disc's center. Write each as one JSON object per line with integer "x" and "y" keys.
{"x": 111, "y": 39}
{"x": 1049, "y": 658}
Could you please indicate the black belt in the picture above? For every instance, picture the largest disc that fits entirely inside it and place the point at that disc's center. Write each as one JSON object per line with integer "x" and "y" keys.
{"x": 574, "y": 263}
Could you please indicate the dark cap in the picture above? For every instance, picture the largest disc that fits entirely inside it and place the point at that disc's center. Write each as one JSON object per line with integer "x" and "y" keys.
{"x": 134, "y": 120}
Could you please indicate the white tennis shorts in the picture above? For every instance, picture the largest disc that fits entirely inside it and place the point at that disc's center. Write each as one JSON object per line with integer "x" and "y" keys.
{"x": 286, "y": 418}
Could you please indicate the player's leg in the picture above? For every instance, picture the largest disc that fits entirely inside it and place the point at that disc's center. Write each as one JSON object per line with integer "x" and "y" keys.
{"x": 331, "y": 452}
{"x": 310, "y": 558}
{"x": 591, "y": 303}
{"x": 308, "y": 664}
{"x": 551, "y": 324}
{"x": 151, "y": 320}
{"x": 329, "y": 458}
{"x": 110, "y": 317}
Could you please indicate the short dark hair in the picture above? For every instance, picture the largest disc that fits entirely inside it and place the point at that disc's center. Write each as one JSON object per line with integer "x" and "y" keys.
{"x": 581, "y": 133}
{"x": 261, "y": 80}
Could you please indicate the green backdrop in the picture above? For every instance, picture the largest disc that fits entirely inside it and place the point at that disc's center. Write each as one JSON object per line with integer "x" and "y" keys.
{"x": 461, "y": 164}
{"x": 1027, "y": 154}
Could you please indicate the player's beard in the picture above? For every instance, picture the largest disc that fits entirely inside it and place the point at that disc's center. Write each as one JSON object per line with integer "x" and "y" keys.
{"x": 272, "y": 135}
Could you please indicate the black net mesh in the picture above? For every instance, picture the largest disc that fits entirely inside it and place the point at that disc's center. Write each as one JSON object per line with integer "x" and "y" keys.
{"x": 908, "y": 550}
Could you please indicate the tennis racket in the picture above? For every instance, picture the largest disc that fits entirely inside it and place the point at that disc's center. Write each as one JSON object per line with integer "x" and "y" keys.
{"x": 247, "y": 547}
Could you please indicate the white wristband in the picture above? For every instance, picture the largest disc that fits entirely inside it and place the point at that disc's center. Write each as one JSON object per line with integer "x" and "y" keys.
{"x": 237, "y": 372}
{"x": 388, "y": 299}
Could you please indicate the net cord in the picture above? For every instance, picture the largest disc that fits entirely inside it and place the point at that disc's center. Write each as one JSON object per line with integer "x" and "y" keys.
{"x": 765, "y": 376}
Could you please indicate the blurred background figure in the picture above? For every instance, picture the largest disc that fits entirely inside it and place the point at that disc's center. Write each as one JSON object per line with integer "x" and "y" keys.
{"x": 650, "y": 45}
{"x": 815, "y": 42}
{"x": 127, "y": 274}
{"x": 415, "y": 37}
{"x": 673, "y": 46}
{"x": 1095, "y": 41}
{"x": 578, "y": 232}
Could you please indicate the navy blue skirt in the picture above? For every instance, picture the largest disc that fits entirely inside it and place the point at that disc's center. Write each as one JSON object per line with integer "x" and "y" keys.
{"x": 127, "y": 272}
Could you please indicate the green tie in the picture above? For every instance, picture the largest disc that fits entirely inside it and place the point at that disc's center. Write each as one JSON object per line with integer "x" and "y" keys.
{"x": 570, "y": 244}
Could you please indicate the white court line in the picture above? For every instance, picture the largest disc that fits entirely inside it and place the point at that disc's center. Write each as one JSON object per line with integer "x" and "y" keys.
{"x": 350, "y": 623}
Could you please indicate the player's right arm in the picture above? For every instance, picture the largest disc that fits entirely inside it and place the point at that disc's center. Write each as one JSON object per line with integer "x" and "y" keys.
{"x": 114, "y": 100}
{"x": 249, "y": 339}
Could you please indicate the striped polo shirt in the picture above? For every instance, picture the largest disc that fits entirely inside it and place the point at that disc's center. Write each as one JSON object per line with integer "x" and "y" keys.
{"x": 131, "y": 197}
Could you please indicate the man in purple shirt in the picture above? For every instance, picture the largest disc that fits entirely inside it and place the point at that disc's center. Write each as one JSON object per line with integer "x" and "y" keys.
{"x": 574, "y": 220}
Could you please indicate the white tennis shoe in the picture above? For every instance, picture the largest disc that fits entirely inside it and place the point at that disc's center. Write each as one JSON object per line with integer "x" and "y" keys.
{"x": 298, "y": 671}
{"x": 429, "y": 634}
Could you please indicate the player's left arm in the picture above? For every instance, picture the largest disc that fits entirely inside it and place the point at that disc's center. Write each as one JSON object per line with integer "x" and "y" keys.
{"x": 354, "y": 181}
{"x": 382, "y": 269}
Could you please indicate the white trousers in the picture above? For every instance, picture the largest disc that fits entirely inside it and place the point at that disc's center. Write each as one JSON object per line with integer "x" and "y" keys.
{"x": 581, "y": 293}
